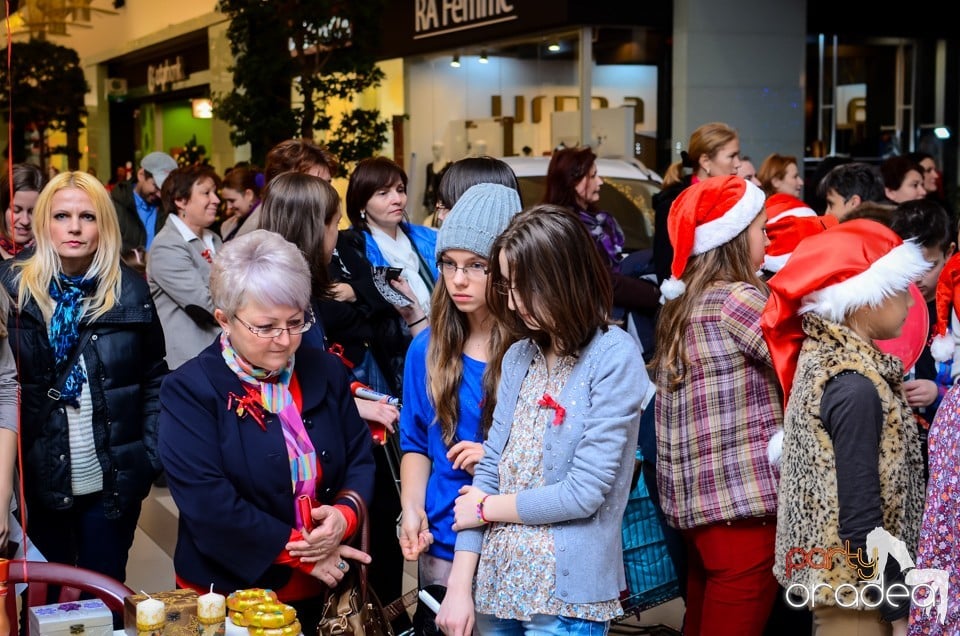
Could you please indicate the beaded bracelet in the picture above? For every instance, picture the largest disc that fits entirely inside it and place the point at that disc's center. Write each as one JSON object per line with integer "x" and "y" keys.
{"x": 480, "y": 516}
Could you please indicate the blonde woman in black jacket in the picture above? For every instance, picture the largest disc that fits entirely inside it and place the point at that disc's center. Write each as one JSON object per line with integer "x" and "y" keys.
{"x": 90, "y": 355}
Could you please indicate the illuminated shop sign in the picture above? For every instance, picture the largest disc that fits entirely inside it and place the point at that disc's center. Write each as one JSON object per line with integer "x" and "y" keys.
{"x": 160, "y": 76}
{"x": 440, "y": 17}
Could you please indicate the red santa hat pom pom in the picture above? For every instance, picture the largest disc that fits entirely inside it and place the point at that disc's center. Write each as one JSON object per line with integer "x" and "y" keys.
{"x": 775, "y": 448}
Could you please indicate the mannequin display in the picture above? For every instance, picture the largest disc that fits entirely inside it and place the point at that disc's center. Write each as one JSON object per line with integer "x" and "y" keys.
{"x": 435, "y": 170}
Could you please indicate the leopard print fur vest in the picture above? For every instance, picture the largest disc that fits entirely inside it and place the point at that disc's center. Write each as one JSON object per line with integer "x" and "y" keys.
{"x": 808, "y": 510}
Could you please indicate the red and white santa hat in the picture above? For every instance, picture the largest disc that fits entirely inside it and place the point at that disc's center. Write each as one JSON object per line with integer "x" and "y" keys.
{"x": 851, "y": 265}
{"x": 706, "y": 215}
{"x": 947, "y": 302}
{"x": 833, "y": 273}
{"x": 789, "y": 221}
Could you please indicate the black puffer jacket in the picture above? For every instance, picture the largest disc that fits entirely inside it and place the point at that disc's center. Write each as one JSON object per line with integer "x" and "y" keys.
{"x": 124, "y": 359}
{"x": 662, "y": 248}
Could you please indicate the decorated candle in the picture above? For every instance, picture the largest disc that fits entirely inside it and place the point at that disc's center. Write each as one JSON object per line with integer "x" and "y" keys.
{"x": 212, "y": 613}
{"x": 151, "y": 616}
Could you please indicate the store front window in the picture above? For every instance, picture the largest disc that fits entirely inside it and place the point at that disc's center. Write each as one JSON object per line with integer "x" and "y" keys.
{"x": 523, "y": 97}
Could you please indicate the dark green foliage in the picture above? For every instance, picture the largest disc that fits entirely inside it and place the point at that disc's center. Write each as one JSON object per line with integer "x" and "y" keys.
{"x": 323, "y": 49}
{"x": 48, "y": 88}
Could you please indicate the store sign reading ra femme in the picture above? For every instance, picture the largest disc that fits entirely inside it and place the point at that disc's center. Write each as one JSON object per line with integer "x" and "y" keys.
{"x": 439, "y": 17}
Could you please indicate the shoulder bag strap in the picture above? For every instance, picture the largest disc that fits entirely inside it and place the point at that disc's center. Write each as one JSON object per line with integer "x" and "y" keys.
{"x": 363, "y": 535}
{"x": 54, "y": 391}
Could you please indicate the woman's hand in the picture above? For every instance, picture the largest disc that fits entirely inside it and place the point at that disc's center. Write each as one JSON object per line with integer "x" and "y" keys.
{"x": 380, "y": 413}
{"x": 323, "y": 540}
{"x": 920, "y": 393}
{"x": 465, "y": 455}
{"x": 334, "y": 567}
{"x": 465, "y": 508}
{"x": 402, "y": 285}
{"x": 343, "y": 292}
{"x": 415, "y": 535}
{"x": 456, "y": 617}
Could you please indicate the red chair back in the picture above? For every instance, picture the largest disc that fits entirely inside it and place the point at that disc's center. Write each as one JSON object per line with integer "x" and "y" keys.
{"x": 73, "y": 582}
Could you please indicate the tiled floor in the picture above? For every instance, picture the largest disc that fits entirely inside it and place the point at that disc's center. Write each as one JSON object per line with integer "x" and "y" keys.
{"x": 150, "y": 568}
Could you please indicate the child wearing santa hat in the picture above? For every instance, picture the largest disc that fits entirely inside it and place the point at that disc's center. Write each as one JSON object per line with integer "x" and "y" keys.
{"x": 718, "y": 404}
{"x": 789, "y": 221}
{"x": 851, "y": 457}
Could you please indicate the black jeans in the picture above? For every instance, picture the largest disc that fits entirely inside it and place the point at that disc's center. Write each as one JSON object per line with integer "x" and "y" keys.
{"x": 83, "y": 536}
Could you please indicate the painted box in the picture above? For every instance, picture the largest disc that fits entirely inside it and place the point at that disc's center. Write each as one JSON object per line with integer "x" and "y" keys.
{"x": 90, "y": 617}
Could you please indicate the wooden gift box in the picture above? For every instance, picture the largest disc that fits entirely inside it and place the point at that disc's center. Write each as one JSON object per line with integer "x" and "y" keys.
{"x": 90, "y": 617}
{"x": 181, "y": 606}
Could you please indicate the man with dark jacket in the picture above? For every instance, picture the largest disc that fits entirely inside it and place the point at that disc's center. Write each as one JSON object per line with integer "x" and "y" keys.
{"x": 138, "y": 203}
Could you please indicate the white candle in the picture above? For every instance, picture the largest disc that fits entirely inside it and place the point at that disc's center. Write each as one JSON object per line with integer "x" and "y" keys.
{"x": 212, "y": 607}
{"x": 151, "y": 612}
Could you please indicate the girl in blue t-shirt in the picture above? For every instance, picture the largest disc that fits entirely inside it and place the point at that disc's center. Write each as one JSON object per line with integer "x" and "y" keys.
{"x": 450, "y": 378}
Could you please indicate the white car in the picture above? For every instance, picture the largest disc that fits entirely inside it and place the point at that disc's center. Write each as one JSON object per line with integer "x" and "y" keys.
{"x": 628, "y": 187}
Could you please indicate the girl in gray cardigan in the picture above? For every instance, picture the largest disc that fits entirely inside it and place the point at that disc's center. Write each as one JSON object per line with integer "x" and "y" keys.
{"x": 540, "y": 527}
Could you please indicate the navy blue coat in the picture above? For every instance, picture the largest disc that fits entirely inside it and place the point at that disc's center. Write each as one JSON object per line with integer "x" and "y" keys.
{"x": 124, "y": 364}
{"x": 231, "y": 480}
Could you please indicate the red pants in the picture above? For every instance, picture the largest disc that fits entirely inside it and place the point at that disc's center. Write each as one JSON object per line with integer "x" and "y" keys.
{"x": 730, "y": 585}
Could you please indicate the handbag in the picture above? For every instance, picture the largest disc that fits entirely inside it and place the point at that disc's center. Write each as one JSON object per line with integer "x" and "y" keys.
{"x": 352, "y": 608}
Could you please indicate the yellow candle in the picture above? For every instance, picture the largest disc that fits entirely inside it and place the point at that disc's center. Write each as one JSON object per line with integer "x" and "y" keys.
{"x": 212, "y": 607}
{"x": 151, "y": 613}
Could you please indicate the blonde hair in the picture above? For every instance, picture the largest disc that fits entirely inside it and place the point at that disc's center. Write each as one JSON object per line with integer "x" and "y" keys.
{"x": 708, "y": 140}
{"x": 44, "y": 265}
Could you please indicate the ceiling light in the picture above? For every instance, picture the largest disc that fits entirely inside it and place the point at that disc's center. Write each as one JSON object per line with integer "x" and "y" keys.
{"x": 554, "y": 47}
{"x": 455, "y": 62}
{"x": 942, "y": 132}
{"x": 483, "y": 57}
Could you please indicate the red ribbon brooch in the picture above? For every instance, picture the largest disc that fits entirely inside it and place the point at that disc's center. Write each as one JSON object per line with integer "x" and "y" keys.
{"x": 558, "y": 411}
{"x": 337, "y": 349}
{"x": 247, "y": 404}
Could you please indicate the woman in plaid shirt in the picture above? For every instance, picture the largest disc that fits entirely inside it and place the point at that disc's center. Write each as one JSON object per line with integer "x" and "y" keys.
{"x": 718, "y": 404}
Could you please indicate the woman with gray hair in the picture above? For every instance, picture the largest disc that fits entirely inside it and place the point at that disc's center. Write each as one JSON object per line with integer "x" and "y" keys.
{"x": 247, "y": 427}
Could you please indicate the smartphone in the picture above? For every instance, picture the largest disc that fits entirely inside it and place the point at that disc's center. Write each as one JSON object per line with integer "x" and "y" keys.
{"x": 305, "y": 505}
{"x": 393, "y": 273}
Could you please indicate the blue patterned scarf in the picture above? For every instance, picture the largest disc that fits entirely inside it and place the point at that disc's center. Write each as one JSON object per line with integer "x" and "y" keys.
{"x": 64, "y": 331}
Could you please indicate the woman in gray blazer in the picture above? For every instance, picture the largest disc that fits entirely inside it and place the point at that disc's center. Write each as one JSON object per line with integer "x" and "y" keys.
{"x": 540, "y": 526}
{"x": 178, "y": 266}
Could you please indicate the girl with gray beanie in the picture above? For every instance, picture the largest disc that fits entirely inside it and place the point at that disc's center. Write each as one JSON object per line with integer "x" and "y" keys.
{"x": 450, "y": 379}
